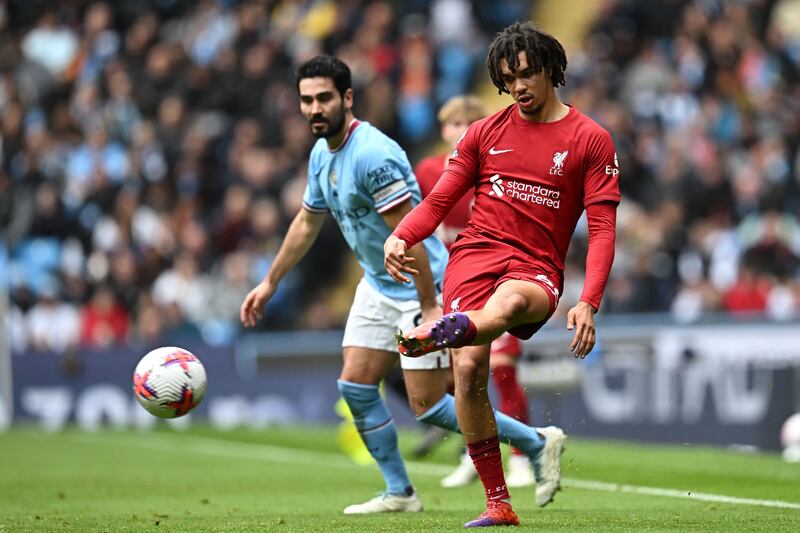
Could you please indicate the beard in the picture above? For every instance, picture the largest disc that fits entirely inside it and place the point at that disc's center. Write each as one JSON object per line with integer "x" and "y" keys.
{"x": 333, "y": 124}
{"x": 532, "y": 111}
{"x": 535, "y": 109}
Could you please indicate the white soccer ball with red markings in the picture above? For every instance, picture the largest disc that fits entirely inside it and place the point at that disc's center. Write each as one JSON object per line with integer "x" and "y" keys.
{"x": 169, "y": 382}
{"x": 790, "y": 438}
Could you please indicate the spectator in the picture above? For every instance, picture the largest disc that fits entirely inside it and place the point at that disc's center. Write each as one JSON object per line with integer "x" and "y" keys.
{"x": 104, "y": 321}
{"x": 149, "y": 326}
{"x": 53, "y": 326}
{"x": 52, "y": 45}
{"x": 182, "y": 285}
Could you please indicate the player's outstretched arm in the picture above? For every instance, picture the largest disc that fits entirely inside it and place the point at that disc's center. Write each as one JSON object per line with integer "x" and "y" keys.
{"x": 301, "y": 235}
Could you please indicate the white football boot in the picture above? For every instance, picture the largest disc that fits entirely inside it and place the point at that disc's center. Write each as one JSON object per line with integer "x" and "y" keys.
{"x": 547, "y": 465}
{"x": 387, "y": 503}
{"x": 463, "y": 475}
{"x": 519, "y": 472}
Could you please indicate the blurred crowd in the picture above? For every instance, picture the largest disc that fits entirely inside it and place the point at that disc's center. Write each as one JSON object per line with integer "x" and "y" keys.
{"x": 152, "y": 153}
{"x": 703, "y": 100}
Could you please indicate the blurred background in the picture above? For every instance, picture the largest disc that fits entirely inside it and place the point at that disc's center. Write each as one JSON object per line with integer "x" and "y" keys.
{"x": 152, "y": 155}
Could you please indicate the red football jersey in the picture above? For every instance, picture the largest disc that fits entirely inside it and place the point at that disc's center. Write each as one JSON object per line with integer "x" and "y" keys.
{"x": 532, "y": 181}
{"x": 428, "y": 172}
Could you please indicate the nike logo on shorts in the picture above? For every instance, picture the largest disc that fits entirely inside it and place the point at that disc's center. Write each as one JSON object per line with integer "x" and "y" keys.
{"x": 492, "y": 151}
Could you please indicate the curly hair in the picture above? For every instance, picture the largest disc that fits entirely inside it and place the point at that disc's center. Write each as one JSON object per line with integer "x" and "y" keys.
{"x": 543, "y": 50}
{"x": 325, "y": 66}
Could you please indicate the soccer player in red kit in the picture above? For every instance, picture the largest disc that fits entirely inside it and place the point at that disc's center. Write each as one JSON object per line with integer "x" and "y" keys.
{"x": 455, "y": 116}
{"x": 535, "y": 167}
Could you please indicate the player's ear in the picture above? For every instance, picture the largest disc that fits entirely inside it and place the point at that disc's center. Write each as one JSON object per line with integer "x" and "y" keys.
{"x": 347, "y": 100}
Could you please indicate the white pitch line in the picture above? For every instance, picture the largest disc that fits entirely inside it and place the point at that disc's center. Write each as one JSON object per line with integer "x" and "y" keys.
{"x": 672, "y": 493}
{"x": 280, "y": 454}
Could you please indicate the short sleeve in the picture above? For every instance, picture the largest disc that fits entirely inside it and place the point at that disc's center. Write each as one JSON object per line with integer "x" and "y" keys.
{"x": 313, "y": 199}
{"x": 382, "y": 177}
{"x": 465, "y": 159}
{"x": 601, "y": 182}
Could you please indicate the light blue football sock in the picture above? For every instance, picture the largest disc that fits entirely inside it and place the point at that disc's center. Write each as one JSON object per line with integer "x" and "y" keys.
{"x": 377, "y": 429}
{"x": 509, "y": 430}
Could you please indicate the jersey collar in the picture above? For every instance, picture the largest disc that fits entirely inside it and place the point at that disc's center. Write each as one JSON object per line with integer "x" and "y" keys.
{"x": 350, "y": 129}
{"x": 571, "y": 114}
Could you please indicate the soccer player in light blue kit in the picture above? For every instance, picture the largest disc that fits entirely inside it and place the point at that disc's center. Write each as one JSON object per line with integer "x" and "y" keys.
{"x": 365, "y": 180}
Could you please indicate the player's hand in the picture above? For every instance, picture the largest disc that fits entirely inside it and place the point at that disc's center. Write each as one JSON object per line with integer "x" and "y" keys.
{"x": 253, "y": 306}
{"x": 396, "y": 261}
{"x": 581, "y": 319}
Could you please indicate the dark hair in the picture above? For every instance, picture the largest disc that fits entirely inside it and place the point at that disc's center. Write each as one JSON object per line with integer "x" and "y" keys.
{"x": 325, "y": 66}
{"x": 543, "y": 50}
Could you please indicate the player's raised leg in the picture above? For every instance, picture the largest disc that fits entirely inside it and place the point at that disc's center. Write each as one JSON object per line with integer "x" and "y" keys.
{"x": 515, "y": 302}
{"x": 358, "y": 383}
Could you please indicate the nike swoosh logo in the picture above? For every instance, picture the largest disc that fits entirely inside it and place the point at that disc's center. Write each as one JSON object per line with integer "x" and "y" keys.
{"x": 492, "y": 151}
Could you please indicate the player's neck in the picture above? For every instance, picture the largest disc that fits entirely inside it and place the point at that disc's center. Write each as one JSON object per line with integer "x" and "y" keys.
{"x": 335, "y": 141}
{"x": 552, "y": 110}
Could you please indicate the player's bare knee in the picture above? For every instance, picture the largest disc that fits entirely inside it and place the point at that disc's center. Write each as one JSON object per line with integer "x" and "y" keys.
{"x": 513, "y": 306}
{"x": 470, "y": 371}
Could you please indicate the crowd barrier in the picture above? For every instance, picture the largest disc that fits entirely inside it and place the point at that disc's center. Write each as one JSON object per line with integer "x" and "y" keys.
{"x": 721, "y": 383}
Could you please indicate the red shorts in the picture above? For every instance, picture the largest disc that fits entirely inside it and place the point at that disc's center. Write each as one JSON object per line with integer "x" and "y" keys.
{"x": 507, "y": 344}
{"x": 474, "y": 272}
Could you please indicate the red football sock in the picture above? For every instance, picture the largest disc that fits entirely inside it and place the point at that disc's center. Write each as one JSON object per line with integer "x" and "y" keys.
{"x": 513, "y": 400}
{"x": 486, "y": 457}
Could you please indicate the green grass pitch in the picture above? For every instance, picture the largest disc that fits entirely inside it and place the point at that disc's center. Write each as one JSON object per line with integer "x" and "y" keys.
{"x": 295, "y": 480}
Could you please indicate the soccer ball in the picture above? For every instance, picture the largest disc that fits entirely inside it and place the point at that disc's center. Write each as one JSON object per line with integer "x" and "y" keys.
{"x": 169, "y": 382}
{"x": 790, "y": 438}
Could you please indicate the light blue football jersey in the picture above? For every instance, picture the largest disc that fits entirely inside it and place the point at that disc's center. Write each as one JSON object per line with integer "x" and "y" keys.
{"x": 369, "y": 174}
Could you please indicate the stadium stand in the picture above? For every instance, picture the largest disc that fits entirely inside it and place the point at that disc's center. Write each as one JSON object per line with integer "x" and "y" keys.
{"x": 152, "y": 152}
